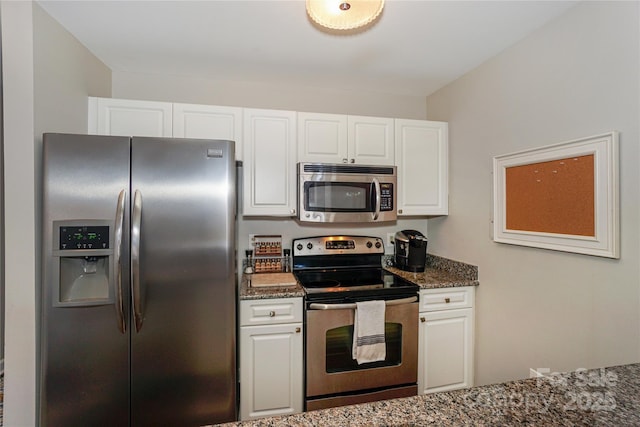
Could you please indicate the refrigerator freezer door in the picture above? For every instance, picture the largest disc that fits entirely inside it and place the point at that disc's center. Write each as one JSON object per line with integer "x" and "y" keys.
{"x": 84, "y": 352}
{"x": 183, "y": 353}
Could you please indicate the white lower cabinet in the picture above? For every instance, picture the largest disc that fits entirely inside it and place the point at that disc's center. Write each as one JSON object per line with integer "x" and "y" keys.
{"x": 271, "y": 357}
{"x": 446, "y": 342}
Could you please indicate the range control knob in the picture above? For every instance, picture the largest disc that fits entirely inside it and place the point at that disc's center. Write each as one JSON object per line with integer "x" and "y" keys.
{"x": 378, "y": 244}
{"x": 369, "y": 244}
{"x": 299, "y": 246}
{"x": 309, "y": 245}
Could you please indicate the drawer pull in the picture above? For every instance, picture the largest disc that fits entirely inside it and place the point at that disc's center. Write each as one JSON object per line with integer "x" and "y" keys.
{"x": 297, "y": 330}
{"x": 422, "y": 319}
{"x": 447, "y": 300}
{"x": 272, "y": 314}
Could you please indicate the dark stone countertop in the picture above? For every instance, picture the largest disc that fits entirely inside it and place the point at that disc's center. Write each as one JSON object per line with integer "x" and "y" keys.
{"x": 597, "y": 397}
{"x": 268, "y": 292}
{"x": 440, "y": 273}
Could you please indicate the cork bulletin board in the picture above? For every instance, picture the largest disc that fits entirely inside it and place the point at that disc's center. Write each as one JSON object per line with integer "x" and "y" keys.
{"x": 562, "y": 197}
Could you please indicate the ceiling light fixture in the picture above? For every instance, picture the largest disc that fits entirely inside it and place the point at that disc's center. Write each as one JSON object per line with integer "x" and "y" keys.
{"x": 344, "y": 14}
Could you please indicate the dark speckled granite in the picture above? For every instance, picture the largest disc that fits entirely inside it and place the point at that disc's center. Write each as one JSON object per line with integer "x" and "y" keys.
{"x": 267, "y": 292}
{"x": 440, "y": 273}
{"x": 598, "y": 397}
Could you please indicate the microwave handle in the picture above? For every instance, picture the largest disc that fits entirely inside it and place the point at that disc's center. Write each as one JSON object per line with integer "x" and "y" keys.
{"x": 378, "y": 195}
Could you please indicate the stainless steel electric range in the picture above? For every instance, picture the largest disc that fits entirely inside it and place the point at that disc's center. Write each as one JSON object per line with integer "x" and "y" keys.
{"x": 336, "y": 272}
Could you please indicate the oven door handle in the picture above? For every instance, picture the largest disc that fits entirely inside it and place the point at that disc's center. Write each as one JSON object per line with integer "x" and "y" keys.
{"x": 319, "y": 306}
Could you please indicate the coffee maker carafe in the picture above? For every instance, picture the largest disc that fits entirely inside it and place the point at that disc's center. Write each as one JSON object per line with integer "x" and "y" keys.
{"x": 410, "y": 250}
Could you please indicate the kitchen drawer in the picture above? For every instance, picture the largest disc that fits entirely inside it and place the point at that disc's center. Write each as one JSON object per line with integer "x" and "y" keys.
{"x": 270, "y": 311}
{"x": 446, "y": 298}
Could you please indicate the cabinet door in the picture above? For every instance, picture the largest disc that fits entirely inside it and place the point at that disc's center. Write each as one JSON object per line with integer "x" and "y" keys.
{"x": 423, "y": 174}
{"x": 269, "y": 165}
{"x": 322, "y": 138}
{"x": 445, "y": 350}
{"x": 208, "y": 122}
{"x": 125, "y": 117}
{"x": 370, "y": 140}
{"x": 271, "y": 375}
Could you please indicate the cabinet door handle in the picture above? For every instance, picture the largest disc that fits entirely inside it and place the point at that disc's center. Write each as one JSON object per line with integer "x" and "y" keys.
{"x": 345, "y": 160}
{"x": 297, "y": 330}
{"x": 447, "y": 300}
{"x": 272, "y": 314}
{"x": 422, "y": 319}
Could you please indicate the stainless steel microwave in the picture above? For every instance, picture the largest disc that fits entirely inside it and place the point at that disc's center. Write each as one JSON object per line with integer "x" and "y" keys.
{"x": 346, "y": 193}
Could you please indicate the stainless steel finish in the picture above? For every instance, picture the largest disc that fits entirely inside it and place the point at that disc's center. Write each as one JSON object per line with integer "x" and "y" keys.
{"x": 117, "y": 254}
{"x": 179, "y": 369}
{"x": 376, "y": 184}
{"x": 84, "y": 360}
{"x": 390, "y": 393}
{"x": 351, "y": 176}
{"x": 136, "y": 296}
{"x": 319, "y": 306}
{"x": 320, "y": 383}
{"x": 185, "y": 353}
{"x": 318, "y": 245}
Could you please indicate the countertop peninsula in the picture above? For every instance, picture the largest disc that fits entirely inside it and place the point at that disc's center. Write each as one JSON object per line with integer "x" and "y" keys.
{"x": 595, "y": 397}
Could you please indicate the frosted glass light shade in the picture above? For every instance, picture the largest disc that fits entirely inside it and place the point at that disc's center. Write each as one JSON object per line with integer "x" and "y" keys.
{"x": 344, "y": 14}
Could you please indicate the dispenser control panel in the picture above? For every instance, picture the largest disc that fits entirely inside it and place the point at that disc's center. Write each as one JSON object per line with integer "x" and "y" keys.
{"x": 84, "y": 237}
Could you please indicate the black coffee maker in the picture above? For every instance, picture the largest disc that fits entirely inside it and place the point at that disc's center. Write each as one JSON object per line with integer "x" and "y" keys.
{"x": 410, "y": 250}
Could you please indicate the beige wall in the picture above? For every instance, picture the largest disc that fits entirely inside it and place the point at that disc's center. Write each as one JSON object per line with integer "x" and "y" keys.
{"x": 258, "y": 95}
{"x": 578, "y": 76}
{"x": 47, "y": 78}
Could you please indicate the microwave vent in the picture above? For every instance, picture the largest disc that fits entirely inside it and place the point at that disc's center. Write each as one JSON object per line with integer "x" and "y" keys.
{"x": 349, "y": 169}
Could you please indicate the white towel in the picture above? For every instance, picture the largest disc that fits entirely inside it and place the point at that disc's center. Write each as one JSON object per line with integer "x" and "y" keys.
{"x": 368, "y": 332}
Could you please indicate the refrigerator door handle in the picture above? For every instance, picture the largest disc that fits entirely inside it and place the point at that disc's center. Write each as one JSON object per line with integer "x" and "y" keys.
{"x": 122, "y": 326}
{"x": 136, "y": 218}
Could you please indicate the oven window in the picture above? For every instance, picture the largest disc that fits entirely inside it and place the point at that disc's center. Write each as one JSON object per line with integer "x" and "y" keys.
{"x": 338, "y": 197}
{"x": 339, "y": 344}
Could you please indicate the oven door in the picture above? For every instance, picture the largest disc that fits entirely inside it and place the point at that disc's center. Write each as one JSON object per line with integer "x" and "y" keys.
{"x": 332, "y": 371}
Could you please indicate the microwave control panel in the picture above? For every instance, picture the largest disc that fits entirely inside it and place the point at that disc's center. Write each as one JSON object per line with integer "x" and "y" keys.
{"x": 386, "y": 197}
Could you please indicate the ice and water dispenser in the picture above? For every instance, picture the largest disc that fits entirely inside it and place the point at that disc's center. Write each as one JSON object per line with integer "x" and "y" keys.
{"x": 82, "y": 256}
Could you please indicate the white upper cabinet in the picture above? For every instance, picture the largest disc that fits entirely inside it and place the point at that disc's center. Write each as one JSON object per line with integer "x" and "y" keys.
{"x": 322, "y": 138}
{"x": 208, "y": 122}
{"x": 370, "y": 140}
{"x": 335, "y": 138}
{"x": 269, "y": 164}
{"x": 422, "y": 155}
{"x": 125, "y": 117}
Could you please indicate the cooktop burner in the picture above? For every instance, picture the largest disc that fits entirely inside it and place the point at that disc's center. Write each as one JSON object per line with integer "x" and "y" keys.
{"x": 345, "y": 268}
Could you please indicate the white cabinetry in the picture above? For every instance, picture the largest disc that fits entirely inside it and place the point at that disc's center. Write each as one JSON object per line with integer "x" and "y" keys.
{"x": 269, "y": 162}
{"x": 422, "y": 156}
{"x": 208, "y": 122}
{"x": 322, "y": 138}
{"x": 446, "y": 343}
{"x": 271, "y": 358}
{"x": 335, "y": 138}
{"x": 126, "y": 117}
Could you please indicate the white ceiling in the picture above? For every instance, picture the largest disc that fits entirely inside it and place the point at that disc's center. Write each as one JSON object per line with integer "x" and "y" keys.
{"x": 414, "y": 48}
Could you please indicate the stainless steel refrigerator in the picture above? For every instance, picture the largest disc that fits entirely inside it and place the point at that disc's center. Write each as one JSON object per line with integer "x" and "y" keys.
{"x": 138, "y": 322}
